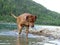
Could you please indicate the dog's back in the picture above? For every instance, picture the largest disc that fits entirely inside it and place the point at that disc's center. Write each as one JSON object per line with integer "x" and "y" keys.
{"x": 24, "y": 15}
{"x": 22, "y": 18}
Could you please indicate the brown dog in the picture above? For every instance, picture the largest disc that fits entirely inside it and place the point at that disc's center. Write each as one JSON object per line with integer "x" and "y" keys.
{"x": 25, "y": 19}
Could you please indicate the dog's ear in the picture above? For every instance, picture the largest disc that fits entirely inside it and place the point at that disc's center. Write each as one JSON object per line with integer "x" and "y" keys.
{"x": 27, "y": 18}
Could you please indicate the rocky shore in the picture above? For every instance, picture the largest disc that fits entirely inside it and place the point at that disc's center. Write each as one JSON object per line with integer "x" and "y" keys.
{"x": 49, "y": 31}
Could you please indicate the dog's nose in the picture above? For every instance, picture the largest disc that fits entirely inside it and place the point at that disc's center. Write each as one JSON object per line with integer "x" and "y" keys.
{"x": 32, "y": 26}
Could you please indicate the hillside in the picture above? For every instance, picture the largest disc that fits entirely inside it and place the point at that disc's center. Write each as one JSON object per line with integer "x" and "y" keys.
{"x": 45, "y": 16}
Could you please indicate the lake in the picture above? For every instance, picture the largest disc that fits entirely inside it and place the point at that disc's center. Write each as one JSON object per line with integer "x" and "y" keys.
{"x": 10, "y": 37}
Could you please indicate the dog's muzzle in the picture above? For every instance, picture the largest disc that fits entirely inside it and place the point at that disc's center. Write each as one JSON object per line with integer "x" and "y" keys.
{"x": 32, "y": 26}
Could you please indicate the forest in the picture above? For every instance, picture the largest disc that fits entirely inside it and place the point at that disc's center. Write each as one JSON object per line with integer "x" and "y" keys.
{"x": 17, "y": 7}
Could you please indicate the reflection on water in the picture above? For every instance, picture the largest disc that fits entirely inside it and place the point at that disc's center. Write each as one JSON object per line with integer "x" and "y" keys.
{"x": 21, "y": 41}
{"x": 11, "y": 38}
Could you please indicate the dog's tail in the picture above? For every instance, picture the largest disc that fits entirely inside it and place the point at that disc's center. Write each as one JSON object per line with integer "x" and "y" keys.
{"x": 13, "y": 15}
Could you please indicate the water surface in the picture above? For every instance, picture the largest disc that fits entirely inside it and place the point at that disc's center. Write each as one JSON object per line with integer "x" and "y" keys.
{"x": 10, "y": 37}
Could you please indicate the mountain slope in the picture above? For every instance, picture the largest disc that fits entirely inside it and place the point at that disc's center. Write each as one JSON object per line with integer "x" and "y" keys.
{"x": 44, "y": 16}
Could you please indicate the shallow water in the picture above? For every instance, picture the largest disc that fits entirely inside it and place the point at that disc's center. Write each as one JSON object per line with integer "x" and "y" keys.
{"x": 10, "y": 37}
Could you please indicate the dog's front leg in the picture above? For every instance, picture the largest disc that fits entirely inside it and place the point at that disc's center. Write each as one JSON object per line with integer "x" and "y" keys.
{"x": 27, "y": 30}
{"x": 19, "y": 29}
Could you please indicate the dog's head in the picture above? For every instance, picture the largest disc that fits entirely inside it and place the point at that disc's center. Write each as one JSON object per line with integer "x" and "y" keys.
{"x": 31, "y": 19}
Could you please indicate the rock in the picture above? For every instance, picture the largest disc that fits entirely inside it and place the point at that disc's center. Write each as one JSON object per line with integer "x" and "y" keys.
{"x": 49, "y": 32}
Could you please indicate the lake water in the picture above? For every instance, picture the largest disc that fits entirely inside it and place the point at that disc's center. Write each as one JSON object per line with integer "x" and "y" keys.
{"x": 10, "y": 37}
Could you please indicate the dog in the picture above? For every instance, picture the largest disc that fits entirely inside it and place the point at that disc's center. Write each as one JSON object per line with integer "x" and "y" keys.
{"x": 25, "y": 19}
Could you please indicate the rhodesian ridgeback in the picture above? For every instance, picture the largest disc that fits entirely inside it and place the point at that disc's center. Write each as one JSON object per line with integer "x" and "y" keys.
{"x": 25, "y": 19}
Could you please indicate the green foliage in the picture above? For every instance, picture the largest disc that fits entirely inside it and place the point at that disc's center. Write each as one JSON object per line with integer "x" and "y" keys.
{"x": 17, "y": 7}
